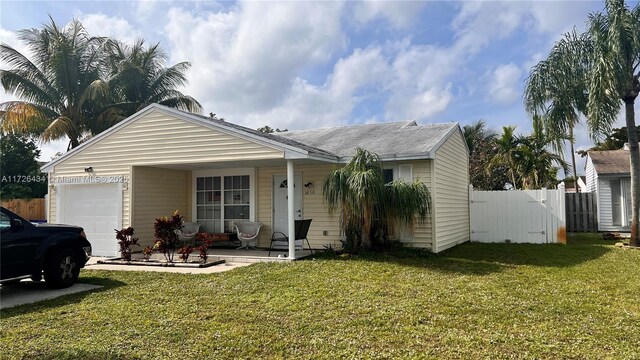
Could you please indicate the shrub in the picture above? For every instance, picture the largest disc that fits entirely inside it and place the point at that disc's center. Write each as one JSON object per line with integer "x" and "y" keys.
{"x": 206, "y": 240}
{"x": 126, "y": 241}
{"x": 184, "y": 252}
{"x": 165, "y": 230}
{"x": 148, "y": 251}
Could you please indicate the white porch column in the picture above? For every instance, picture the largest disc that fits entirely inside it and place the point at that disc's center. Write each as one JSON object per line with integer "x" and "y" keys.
{"x": 291, "y": 210}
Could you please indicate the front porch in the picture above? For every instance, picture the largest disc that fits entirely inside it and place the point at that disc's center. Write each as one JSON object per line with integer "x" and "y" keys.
{"x": 217, "y": 195}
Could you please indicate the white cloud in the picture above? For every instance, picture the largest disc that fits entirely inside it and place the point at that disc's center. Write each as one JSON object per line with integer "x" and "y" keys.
{"x": 333, "y": 102}
{"x": 115, "y": 27}
{"x": 557, "y": 17}
{"x": 248, "y": 59}
{"x": 144, "y": 8}
{"x": 398, "y": 13}
{"x": 506, "y": 85}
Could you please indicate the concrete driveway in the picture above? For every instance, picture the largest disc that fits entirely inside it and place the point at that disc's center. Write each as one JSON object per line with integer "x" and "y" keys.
{"x": 28, "y": 292}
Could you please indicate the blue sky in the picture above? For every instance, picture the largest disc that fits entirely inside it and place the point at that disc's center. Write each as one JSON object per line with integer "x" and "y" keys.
{"x": 311, "y": 64}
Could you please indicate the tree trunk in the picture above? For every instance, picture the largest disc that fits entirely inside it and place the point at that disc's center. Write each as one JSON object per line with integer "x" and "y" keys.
{"x": 634, "y": 155}
{"x": 73, "y": 143}
{"x": 573, "y": 158}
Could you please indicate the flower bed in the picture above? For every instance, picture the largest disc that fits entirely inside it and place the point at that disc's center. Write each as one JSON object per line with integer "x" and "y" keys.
{"x": 138, "y": 259}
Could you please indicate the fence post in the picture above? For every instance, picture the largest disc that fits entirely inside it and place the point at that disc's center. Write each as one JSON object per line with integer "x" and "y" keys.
{"x": 562, "y": 214}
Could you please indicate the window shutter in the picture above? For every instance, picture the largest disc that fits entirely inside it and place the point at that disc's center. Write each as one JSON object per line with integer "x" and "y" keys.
{"x": 405, "y": 172}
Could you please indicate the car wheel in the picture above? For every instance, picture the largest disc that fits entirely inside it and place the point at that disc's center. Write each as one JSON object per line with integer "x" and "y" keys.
{"x": 62, "y": 269}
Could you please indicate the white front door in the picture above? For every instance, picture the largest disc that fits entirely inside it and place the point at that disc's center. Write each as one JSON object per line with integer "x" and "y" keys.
{"x": 280, "y": 203}
{"x": 97, "y": 209}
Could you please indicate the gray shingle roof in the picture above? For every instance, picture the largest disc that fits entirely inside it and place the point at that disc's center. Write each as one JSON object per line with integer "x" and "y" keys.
{"x": 389, "y": 140}
{"x": 272, "y": 137}
{"x": 611, "y": 161}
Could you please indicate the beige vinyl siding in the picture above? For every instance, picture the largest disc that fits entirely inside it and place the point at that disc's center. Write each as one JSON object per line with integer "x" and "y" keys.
{"x": 52, "y": 211}
{"x": 158, "y": 192}
{"x": 452, "y": 193}
{"x": 313, "y": 206}
{"x": 157, "y": 138}
{"x": 422, "y": 234}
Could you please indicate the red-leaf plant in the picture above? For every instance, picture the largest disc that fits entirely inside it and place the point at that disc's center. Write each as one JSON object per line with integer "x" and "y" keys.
{"x": 147, "y": 252}
{"x": 126, "y": 241}
{"x": 184, "y": 252}
{"x": 165, "y": 230}
{"x": 206, "y": 240}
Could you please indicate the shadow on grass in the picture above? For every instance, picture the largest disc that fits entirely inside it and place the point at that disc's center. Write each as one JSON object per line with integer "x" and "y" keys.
{"x": 85, "y": 355}
{"x": 484, "y": 259}
{"x": 62, "y": 300}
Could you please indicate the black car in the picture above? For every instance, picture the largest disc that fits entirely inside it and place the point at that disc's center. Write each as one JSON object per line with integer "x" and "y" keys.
{"x": 31, "y": 250}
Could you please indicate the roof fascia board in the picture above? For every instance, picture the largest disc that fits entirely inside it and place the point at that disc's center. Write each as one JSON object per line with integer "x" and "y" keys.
{"x": 419, "y": 156}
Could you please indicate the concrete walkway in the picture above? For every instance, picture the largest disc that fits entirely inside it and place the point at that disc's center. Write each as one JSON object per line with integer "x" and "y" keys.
{"x": 28, "y": 292}
{"x": 92, "y": 265}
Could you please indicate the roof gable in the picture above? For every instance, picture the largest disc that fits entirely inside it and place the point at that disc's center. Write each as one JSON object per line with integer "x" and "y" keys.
{"x": 195, "y": 124}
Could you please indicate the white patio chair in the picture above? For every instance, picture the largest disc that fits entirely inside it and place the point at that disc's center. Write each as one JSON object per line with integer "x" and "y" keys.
{"x": 247, "y": 232}
{"x": 188, "y": 232}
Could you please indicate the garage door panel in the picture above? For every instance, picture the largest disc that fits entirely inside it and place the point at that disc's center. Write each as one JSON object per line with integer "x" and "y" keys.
{"x": 96, "y": 208}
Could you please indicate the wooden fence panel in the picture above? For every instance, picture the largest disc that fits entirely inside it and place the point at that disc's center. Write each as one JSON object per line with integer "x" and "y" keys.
{"x": 582, "y": 214}
{"x": 30, "y": 209}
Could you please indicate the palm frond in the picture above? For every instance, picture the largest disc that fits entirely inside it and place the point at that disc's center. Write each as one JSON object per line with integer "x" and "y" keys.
{"x": 24, "y": 117}
{"x": 60, "y": 128}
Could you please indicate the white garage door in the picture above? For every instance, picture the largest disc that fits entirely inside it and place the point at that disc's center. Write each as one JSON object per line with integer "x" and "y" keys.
{"x": 97, "y": 209}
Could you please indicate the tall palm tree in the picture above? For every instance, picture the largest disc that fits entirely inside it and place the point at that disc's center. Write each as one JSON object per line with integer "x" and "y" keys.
{"x": 615, "y": 80}
{"x": 554, "y": 90}
{"x": 55, "y": 86}
{"x": 138, "y": 77}
{"x": 508, "y": 153}
{"x": 367, "y": 204}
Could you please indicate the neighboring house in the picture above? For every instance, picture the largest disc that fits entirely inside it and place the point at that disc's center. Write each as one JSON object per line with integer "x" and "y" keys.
{"x": 215, "y": 172}
{"x": 608, "y": 175}
{"x": 582, "y": 185}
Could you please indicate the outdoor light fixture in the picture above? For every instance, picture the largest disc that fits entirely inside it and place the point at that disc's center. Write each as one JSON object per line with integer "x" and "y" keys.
{"x": 89, "y": 169}
{"x": 308, "y": 185}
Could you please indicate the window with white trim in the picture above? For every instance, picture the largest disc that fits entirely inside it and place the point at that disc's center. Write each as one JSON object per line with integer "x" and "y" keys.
{"x": 221, "y": 201}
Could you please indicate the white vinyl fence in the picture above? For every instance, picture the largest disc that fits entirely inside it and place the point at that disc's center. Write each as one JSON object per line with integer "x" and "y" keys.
{"x": 518, "y": 216}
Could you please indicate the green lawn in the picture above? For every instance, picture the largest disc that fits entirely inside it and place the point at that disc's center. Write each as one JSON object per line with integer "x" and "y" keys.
{"x": 475, "y": 301}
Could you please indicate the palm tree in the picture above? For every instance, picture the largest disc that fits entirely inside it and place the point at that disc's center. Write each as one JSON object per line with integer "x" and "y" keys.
{"x": 537, "y": 164}
{"x": 56, "y": 85}
{"x": 507, "y": 153}
{"x": 367, "y": 205}
{"x": 138, "y": 77}
{"x": 554, "y": 90}
{"x": 615, "y": 80}
{"x": 76, "y": 85}
{"x": 477, "y": 132}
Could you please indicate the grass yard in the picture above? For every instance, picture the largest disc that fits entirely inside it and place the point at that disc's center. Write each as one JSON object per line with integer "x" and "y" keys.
{"x": 578, "y": 301}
